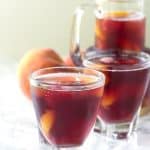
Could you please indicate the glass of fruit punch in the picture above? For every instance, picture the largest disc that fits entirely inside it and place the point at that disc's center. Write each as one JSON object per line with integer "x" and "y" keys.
{"x": 66, "y": 102}
{"x": 127, "y": 77}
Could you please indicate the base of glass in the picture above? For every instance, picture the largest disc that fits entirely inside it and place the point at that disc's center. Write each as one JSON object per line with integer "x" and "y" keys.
{"x": 70, "y": 146}
{"x": 100, "y": 126}
{"x": 45, "y": 145}
{"x": 120, "y": 131}
{"x": 41, "y": 137}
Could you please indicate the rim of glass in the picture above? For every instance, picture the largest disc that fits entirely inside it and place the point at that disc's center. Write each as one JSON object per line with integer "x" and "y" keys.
{"x": 99, "y": 82}
{"x": 119, "y": 68}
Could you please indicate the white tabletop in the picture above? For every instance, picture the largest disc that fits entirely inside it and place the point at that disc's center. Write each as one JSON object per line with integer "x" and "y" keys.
{"x": 18, "y": 129}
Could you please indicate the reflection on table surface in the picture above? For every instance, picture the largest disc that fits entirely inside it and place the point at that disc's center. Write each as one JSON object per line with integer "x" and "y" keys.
{"x": 19, "y": 130}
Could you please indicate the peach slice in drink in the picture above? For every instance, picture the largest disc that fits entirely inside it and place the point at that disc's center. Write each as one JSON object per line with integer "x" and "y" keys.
{"x": 47, "y": 121}
{"x": 107, "y": 100}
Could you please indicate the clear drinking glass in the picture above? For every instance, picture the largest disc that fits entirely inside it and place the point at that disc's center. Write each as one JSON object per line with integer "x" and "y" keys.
{"x": 127, "y": 77}
{"x": 66, "y": 101}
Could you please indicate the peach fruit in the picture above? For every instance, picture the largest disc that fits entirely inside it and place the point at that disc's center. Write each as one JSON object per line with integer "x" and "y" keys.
{"x": 33, "y": 60}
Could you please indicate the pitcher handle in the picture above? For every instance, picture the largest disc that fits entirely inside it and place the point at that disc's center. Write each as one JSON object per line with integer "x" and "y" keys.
{"x": 76, "y": 53}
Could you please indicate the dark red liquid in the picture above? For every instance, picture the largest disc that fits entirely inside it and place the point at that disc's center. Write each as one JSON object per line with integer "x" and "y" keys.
{"x": 120, "y": 31}
{"x": 66, "y": 116}
{"x": 124, "y": 90}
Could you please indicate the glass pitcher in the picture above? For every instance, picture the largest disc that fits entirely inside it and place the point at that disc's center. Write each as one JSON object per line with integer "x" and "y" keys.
{"x": 107, "y": 25}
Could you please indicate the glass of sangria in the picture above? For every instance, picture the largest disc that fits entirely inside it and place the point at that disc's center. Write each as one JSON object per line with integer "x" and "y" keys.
{"x": 66, "y": 102}
{"x": 127, "y": 77}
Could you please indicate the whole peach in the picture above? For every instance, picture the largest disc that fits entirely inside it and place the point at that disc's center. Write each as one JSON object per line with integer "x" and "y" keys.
{"x": 33, "y": 60}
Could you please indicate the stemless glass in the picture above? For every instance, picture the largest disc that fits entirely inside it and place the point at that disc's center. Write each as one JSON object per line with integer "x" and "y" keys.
{"x": 127, "y": 78}
{"x": 66, "y": 101}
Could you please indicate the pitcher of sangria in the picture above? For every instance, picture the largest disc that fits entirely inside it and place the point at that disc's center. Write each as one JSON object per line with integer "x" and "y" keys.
{"x": 116, "y": 24}
{"x": 106, "y": 25}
